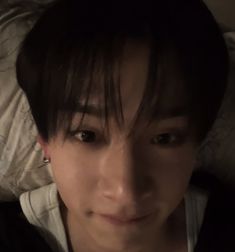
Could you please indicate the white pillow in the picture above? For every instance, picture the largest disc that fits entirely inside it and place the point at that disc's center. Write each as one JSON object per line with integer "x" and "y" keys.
{"x": 21, "y": 166}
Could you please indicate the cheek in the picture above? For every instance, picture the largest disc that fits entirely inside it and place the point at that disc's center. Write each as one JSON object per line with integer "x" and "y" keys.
{"x": 179, "y": 161}
{"x": 75, "y": 176}
{"x": 172, "y": 170}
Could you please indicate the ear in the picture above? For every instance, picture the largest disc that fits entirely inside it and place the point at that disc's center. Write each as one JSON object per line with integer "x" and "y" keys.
{"x": 44, "y": 144}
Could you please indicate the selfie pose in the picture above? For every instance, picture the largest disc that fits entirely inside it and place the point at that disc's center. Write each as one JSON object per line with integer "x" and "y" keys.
{"x": 123, "y": 93}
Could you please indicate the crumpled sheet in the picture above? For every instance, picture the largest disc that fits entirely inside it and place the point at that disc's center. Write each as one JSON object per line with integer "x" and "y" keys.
{"x": 21, "y": 158}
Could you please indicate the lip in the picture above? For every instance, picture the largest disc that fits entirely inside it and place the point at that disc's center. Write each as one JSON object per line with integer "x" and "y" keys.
{"x": 120, "y": 221}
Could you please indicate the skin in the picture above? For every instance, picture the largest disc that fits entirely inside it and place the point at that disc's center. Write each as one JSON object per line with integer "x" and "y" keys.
{"x": 125, "y": 174}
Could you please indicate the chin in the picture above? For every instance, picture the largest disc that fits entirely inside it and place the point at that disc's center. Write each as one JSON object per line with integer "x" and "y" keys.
{"x": 124, "y": 239}
{"x": 121, "y": 245}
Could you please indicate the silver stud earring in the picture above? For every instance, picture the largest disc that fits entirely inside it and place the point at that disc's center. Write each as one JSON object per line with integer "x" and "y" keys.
{"x": 46, "y": 160}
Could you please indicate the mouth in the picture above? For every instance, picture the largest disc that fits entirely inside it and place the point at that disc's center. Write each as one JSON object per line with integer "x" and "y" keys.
{"x": 120, "y": 221}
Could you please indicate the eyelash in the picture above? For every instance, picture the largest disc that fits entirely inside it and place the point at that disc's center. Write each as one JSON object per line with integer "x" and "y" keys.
{"x": 78, "y": 134}
{"x": 168, "y": 139}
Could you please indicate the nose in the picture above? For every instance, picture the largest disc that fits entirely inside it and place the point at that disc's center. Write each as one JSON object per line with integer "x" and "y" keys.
{"x": 124, "y": 175}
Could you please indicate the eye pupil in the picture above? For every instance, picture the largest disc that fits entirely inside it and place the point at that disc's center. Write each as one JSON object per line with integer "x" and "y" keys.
{"x": 86, "y": 136}
{"x": 164, "y": 139}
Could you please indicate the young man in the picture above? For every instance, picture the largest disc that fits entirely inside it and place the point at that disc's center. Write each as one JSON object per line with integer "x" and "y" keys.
{"x": 122, "y": 95}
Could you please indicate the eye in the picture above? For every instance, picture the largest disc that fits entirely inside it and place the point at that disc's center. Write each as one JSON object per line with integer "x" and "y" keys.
{"x": 168, "y": 139}
{"x": 86, "y": 136}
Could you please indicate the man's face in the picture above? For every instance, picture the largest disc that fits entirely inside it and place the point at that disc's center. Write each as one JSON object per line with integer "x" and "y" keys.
{"x": 121, "y": 174}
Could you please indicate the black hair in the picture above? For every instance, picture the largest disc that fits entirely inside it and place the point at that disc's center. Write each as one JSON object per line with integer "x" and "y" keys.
{"x": 74, "y": 40}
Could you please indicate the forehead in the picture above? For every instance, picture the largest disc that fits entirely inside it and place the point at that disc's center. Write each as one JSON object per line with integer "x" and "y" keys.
{"x": 128, "y": 75}
{"x": 137, "y": 88}
{"x": 170, "y": 101}
{"x": 140, "y": 85}
{"x": 131, "y": 80}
